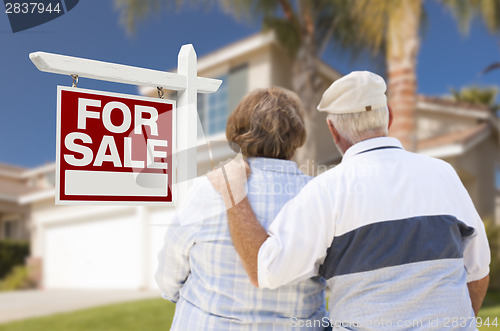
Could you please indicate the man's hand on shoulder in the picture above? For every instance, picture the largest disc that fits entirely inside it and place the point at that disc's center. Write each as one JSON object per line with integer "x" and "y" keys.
{"x": 248, "y": 235}
{"x": 229, "y": 180}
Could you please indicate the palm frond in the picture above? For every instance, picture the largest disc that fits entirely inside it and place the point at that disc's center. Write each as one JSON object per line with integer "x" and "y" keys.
{"x": 491, "y": 67}
{"x": 476, "y": 95}
{"x": 465, "y": 11}
{"x": 134, "y": 11}
{"x": 286, "y": 33}
{"x": 249, "y": 10}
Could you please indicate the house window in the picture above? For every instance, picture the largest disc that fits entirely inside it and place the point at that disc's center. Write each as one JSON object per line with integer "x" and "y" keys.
{"x": 10, "y": 229}
{"x": 237, "y": 85}
{"x": 497, "y": 177}
{"x": 214, "y": 108}
{"x": 50, "y": 177}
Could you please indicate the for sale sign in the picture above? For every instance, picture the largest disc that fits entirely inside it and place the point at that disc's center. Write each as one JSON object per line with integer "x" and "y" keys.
{"x": 113, "y": 148}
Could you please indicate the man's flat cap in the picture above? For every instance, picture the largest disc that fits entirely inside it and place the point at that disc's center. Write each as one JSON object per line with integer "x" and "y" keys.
{"x": 356, "y": 92}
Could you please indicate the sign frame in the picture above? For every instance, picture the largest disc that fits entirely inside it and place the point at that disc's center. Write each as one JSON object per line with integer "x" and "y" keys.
{"x": 90, "y": 202}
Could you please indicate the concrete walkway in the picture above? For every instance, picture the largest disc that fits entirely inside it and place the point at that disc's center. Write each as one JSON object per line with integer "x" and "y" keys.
{"x": 25, "y": 304}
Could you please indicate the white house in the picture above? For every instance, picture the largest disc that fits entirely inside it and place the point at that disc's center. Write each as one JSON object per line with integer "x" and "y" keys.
{"x": 112, "y": 247}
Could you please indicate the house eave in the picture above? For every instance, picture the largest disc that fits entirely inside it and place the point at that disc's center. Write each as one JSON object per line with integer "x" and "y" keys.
{"x": 327, "y": 70}
{"x": 29, "y": 172}
{"x": 452, "y": 110}
{"x": 225, "y": 54}
{"x": 28, "y": 198}
{"x": 456, "y": 149}
{"x": 35, "y": 197}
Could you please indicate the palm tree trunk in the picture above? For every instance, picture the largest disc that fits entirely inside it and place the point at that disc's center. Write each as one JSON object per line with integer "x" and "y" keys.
{"x": 403, "y": 45}
{"x": 307, "y": 84}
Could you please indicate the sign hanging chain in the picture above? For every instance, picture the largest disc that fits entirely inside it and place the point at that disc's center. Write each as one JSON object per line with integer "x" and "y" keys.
{"x": 75, "y": 80}
{"x": 160, "y": 92}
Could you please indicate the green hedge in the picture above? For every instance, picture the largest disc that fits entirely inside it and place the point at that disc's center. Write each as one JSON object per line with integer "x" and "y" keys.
{"x": 12, "y": 253}
{"x": 493, "y": 232}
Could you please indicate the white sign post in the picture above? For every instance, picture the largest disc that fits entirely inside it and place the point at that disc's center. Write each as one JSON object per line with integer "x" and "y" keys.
{"x": 185, "y": 82}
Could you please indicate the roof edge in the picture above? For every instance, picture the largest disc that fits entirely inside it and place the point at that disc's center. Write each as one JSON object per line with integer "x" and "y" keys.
{"x": 457, "y": 110}
{"x": 26, "y": 173}
{"x": 457, "y": 148}
{"x": 221, "y": 55}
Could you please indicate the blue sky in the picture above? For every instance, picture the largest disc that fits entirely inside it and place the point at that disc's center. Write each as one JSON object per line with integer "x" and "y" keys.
{"x": 92, "y": 30}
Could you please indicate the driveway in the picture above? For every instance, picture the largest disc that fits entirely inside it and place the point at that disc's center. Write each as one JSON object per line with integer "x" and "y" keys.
{"x": 25, "y": 304}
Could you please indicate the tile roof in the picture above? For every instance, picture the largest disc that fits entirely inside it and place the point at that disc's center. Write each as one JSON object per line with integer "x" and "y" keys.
{"x": 15, "y": 188}
{"x": 11, "y": 168}
{"x": 459, "y": 137}
{"x": 18, "y": 184}
{"x": 450, "y": 102}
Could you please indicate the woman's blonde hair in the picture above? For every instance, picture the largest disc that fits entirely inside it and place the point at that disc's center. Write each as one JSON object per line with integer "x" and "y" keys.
{"x": 268, "y": 123}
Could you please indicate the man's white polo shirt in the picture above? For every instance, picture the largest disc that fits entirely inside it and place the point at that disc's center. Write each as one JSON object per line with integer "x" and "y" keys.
{"x": 395, "y": 234}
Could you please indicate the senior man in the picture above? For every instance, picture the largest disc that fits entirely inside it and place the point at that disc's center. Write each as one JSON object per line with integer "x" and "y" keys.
{"x": 395, "y": 233}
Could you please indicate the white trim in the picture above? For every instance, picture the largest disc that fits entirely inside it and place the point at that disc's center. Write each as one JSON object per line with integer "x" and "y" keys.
{"x": 28, "y": 198}
{"x": 327, "y": 70}
{"x": 27, "y": 173}
{"x": 33, "y": 197}
{"x": 51, "y": 167}
{"x": 444, "y": 151}
{"x": 476, "y": 140}
{"x": 452, "y": 110}
{"x": 455, "y": 149}
{"x": 8, "y": 198}
{"x": 119, "y": 73}
{"x": 236, "y": 49}
{"x": 74, "y": 213}
{"x": 225, "y": 54}
{"x": 240, "y": 48}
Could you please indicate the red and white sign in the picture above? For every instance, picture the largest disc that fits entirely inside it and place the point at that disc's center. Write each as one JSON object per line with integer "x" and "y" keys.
{"x": 113, "y": 148}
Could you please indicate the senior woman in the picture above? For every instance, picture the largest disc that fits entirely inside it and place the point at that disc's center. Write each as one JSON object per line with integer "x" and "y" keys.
{"x": 199, "y": 268}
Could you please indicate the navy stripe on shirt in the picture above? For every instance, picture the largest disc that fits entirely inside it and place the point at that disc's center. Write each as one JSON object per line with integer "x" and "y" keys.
{"x": 393, "y": 243}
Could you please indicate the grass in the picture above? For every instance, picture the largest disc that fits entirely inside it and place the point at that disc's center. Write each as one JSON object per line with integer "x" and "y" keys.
{"x": 491, "y": 309}
{"x": 491, "y": 313}
{"x": 157, "y": 314}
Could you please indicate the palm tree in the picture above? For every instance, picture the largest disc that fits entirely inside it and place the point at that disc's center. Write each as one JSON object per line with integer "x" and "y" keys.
{"x": 388, "y": 27}
{"x": 305, "y": 28}
{"x": 477, "y": 95}
{"x": 491, "y": 67}
{"x": 397, "y": 23}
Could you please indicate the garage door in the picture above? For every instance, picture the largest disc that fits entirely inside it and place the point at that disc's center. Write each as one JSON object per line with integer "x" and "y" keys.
{"x": 105, "y": 252}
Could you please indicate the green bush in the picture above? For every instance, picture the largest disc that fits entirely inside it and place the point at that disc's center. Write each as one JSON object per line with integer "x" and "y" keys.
{"x": 12, "y": 253}
{"x": 493, "y": 233}
{"x": 18, "y": 279}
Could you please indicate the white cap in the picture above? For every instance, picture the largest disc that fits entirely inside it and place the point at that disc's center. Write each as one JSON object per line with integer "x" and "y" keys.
{"x": 356, "y": 92}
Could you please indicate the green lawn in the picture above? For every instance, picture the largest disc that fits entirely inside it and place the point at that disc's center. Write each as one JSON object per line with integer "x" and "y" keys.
{"x": 491, "y": 309}
{"x": 491, "y": 312}
{"x": 155, "y": 314}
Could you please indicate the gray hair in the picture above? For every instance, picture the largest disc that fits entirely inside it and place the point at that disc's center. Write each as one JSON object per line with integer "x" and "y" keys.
{"x": 356, "y": 127}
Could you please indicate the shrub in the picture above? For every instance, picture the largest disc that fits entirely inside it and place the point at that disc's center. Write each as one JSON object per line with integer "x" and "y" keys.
{"x": 12, "y": 253}
{"x": 493, "y": 233}
{"x": 18, "y": 279}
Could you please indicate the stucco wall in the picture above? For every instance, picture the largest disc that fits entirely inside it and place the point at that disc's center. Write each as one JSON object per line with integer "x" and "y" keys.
{"x": 431, "y": 124}
{"x": 477, "y": 170}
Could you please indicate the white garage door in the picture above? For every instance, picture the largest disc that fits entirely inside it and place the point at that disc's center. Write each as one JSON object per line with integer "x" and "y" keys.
{"x": 160, "y": 221}
{"x": 102, "y": 253}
